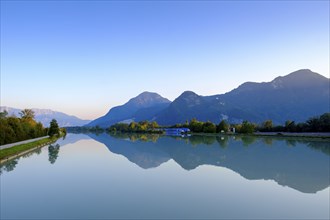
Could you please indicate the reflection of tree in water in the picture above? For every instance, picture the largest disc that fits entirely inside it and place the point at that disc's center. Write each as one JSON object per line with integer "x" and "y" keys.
{"x": 209, "y": 140}
{"x": 248, "y": 140}
{"x": 8, "y": 166}
{"x": 136, "y": 136}
{"x": 37, "y": 151}
{"x": 321, "y": 146}
{"x": 291, "y": 142}
{"x": 196, "y": 140}
{"x": 223, "y": 141}
{"x": 267, "y": 141}
{"x": 144, "y": 138}
{"x": 53, "y": 153}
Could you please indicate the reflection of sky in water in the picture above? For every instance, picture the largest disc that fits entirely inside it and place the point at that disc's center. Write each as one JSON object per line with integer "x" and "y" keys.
{"x": 89, "y": 181}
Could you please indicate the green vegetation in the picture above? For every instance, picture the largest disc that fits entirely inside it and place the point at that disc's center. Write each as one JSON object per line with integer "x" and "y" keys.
{"x": 315, "y": 124}
{"x": 223, "y": 126}
{"x": 5, "y": 153}
{"x": 198, "y": 126}
{"x": 145, "y": 137}
{"x": 15, "y": 129}
{"x": 27, "y": 114}
{"x": 195, "y": 126}
{"x": 53, "y": 151}
{"x": 53, "y": 129}
{"x": 77, "y": 129}
{"x": 246, "y": 128}
{"x": 136, "y": 127}
{"x": 19, "y": 129}
{"x": 209, "y": 127}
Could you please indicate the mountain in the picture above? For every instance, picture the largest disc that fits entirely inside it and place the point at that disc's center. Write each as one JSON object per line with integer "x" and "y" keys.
{"x": 187, "y": 106}
{"x": 46, "y": 115}
{"x": 142, "y": 107}
{"x": 297, "y": 96}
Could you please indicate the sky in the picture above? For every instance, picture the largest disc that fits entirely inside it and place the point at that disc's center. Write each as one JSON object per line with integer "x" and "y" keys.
{"x": 84, "y": 57}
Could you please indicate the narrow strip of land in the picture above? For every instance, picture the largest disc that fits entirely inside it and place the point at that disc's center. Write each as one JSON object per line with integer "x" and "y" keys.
{"x": 295, "y": 134}
{"x": 21, "y": 142}
{"x": 20, "y": 149}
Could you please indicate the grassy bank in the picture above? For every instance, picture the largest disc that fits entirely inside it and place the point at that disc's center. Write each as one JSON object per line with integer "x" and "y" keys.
{"x": 16, "y": 150}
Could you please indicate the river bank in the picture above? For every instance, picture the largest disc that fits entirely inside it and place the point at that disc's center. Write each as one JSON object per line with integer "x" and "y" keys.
{"x": 21, "y": 142}
{"x": 23, "y": 148}
{"x": 295, "y": 134}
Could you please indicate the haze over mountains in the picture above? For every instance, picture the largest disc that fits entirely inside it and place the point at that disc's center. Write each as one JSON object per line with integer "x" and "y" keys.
{"x": 46, "y": 115}
{"x": 296, "y": 96}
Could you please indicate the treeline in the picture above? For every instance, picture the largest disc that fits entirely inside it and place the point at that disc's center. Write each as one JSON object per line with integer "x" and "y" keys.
{"x": 136, "y": 127}
{"x": 145, "y": 137}
{"x": 314, "y": 124}
{"x": 83, "y": 129}
{"x": 14, "y": 129}
{"x": 208, "y": 127}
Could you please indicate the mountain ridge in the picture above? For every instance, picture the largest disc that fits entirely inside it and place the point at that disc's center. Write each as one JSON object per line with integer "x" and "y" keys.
{"x": 296, "y": 96}
{"x": 150, "y": 102}
{"x": 46, "y": 115}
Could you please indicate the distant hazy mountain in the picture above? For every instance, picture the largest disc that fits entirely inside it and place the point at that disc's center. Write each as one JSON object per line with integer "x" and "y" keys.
{"x": 142, "y": 107}
{"x": 45, "y": 116}
{"x": 297, "y": 96}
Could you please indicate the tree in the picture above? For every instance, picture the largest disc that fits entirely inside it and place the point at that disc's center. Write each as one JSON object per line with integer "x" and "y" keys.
{"x": 54, "y": 128}
{"x": 290, "y": 126}
{"x": 3, "y": 114}
{"x": 27, "y": 114}
{"x": 247, "y": 127}
{"x": 267, "y": 125}
{"x": 325, "y": 122}
{"x": 195, "y": 125}
{"x": 209, "y": 127}
{"x": 154, "y": 125}
{"x": 223, "y": 126}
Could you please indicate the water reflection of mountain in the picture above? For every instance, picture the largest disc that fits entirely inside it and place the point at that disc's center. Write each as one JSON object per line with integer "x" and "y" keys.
{"x": 289, "y": 162}
{"x": 71, "y": 139}
{"x": 144, "y": 154}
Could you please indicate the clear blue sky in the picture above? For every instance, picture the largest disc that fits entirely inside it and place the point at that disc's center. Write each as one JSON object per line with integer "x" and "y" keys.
{"x": 84, "y": 57}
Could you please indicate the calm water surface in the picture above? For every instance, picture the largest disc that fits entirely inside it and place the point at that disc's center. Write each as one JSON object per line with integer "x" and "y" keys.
{"x": 139, "y": 176}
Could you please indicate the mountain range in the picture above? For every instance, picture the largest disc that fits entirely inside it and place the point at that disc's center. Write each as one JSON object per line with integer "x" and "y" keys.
{"x": 297, "y": 96}
{"x": 46, "y": 115}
